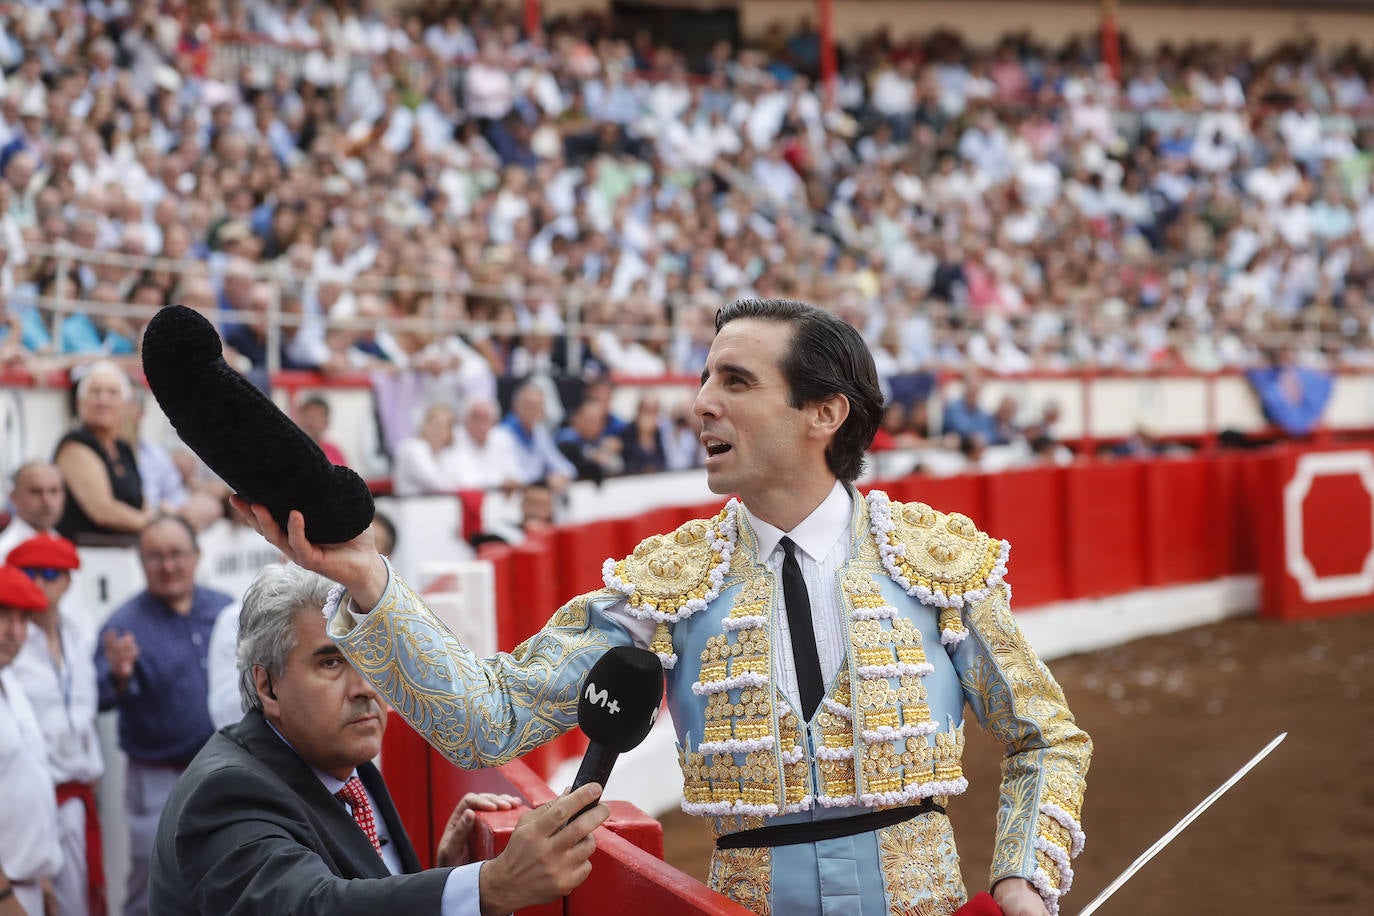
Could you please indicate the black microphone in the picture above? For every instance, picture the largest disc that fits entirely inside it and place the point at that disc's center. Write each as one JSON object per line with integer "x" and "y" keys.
{"x": 617, "y": 707}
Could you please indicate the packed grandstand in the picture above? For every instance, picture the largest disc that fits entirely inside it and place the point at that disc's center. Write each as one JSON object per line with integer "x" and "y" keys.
{"x": 374, "y": 188}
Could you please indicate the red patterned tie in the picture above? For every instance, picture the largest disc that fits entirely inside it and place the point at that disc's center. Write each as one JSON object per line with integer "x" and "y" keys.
{"x": 352, "y": 793}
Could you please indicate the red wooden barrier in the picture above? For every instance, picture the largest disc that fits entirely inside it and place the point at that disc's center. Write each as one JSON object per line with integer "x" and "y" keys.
{"x": 581, "y": 549}
{"x": 1027, "y": 508}
{"x": 1103, "y": 516}
{"x": 1181, "y": 502}
{"x": 1317, "y": 529}
{"x": 502, "y": 560}
{"x": 964, "y": 494}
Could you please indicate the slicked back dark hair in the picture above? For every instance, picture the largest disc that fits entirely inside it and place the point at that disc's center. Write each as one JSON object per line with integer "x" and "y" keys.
{"x": 825, "y": 357}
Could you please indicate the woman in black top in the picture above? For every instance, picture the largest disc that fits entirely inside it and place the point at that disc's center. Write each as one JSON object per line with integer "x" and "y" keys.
{"x": 100, "y": 470}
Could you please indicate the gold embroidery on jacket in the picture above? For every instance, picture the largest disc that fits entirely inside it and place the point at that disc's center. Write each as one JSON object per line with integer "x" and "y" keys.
{"x": 921, "y": 867}
{"x": 745, "y": 876}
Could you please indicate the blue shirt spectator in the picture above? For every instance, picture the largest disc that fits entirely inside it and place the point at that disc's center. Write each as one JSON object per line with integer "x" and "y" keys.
{"x": 79, "y": 334}
{"x": 1292, "y": 397}
{"x": 964, "y": 418}
{"x": 163, "y": 716}
{"x": 537, "y": 457}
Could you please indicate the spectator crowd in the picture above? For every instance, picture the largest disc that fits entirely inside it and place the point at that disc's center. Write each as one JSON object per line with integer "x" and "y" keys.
{"x": 418, "y": 191}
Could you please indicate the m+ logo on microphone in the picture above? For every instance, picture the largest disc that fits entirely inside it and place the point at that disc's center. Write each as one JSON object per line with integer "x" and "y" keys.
{"x": 601, "y": 698}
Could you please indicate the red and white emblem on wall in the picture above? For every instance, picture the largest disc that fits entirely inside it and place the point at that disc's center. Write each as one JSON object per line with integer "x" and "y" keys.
{"x": 1328, "y": 525}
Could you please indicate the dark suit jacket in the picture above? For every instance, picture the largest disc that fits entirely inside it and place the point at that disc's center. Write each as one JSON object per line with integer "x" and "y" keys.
{"x": 250, "y": 829}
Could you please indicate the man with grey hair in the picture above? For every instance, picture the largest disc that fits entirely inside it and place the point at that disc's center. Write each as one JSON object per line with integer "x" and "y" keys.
{"x": 483, "y": 455}
{"x": 283, "y": 812}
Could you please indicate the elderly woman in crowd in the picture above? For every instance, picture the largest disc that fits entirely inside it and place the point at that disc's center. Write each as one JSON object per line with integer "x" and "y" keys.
{"x": 104, "y": 488}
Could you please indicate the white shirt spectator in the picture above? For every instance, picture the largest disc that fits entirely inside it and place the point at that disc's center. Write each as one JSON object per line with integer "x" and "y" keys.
{"x": 669, "y": 99}
{"x": 419, "y": 471}
{"x": 1302, "y": 132}
{"x": 629, "y": 357}
{"x": 1219, "y": 91}
{"x": 325, "y": 67}
{"x": 489, "y": 91}
{"x": 1147, "y": 91}
{"x": 1294, "y": 224}
{"x": 480, "y": 467}
{"x": 1039, "y": 182}
{"x": 26, "y": 797}
{"x": 1271, "y": 184}
{"x": 777, "y": 177}
{"x": 894, "y": 94}
{"x": 450, "y": 40}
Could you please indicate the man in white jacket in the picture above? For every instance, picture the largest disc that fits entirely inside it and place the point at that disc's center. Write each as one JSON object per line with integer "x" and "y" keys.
{"x": 29, "y": 857}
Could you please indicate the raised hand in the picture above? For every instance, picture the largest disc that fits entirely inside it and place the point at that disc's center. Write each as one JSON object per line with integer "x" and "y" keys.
{"x": 121, "y": 651}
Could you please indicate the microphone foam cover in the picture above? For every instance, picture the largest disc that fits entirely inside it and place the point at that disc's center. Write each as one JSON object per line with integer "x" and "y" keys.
{"x": 242, "y": 436}
{"x": 620, "y": 697}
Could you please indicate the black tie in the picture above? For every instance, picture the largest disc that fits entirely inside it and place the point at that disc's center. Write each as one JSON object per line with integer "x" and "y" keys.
{"x": 809, "y": 683}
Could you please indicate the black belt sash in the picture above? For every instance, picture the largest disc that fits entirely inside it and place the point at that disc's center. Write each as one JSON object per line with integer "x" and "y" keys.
{"x": 815, "y": 831}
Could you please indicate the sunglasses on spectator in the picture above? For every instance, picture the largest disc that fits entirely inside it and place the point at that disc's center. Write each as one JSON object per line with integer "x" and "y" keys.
{"x": 46, "y": 573}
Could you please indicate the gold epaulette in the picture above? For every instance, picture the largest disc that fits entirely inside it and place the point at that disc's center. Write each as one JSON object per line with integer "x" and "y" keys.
{"x": 672, "y": 576}
{"x": 944, "y": 560}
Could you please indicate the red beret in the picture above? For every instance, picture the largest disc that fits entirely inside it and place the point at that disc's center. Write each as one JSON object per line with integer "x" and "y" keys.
{"x": 44, "y": 551}
{"x": 18, "y": 591}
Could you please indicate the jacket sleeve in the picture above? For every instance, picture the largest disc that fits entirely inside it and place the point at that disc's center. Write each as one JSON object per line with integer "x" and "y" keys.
{"x": 478, "y": 712}
{"x": 1018, "y": 701}
{"x": 240, "y": 850}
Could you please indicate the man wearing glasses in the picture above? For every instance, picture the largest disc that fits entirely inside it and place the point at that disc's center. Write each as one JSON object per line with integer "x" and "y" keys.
{"x": 151, "y": 666}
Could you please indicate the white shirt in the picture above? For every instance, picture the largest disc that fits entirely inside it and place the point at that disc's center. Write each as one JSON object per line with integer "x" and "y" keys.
{"x": 63, "y": 700}
{"x": 26, "y": 790}
{"x": 418, "y": 470}
{"x": 16, "y": 532}
{"x": 823, "y": 539}
{"x": 224, "y": 700}
{"x": 480, "y": 467}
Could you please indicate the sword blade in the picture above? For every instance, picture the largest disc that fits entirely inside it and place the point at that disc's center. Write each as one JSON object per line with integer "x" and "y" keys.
{"x": 1178, "y": 828}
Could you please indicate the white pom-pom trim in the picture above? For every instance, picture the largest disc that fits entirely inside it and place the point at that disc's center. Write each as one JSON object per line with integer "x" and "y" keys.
{"x": 1059, "y": 857}
{"x": 1066, "y": 820}
{"x": 748, "y": 679}
{"x": 895, "y": 669}
{"x": 752, "y": 622}
{"x": 950, "y": 638}
{"x": 736, "y": 745}
{"x": 331, "y": 601}
{"x": 1048, "y": 892}
{"x": 888, "y": 733}
{"x": 837, "y": 709}
{"x": 881, "y": 612}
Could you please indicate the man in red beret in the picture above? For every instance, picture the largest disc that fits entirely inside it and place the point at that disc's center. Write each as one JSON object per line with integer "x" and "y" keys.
{"x": 31, "y": 856}
{"x": 57, "y": 670}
